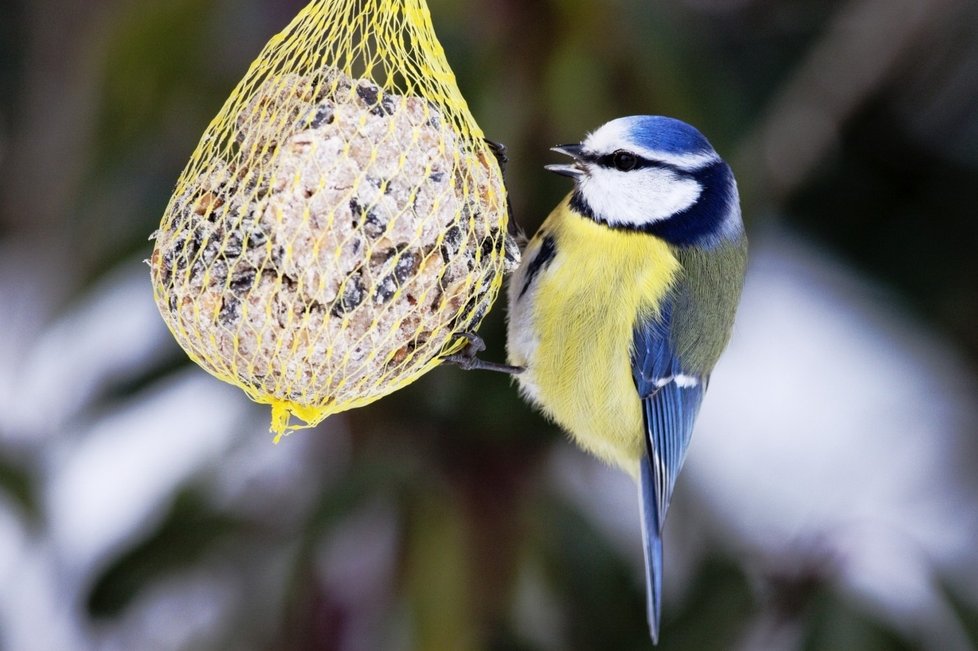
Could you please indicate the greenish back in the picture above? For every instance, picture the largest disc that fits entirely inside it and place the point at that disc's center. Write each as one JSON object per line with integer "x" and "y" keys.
{"x": 706, "y": 302}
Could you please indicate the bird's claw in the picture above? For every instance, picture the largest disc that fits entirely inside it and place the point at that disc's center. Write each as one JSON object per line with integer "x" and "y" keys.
{"x": 498, "y": 150}
{"x": 466, "y": 358}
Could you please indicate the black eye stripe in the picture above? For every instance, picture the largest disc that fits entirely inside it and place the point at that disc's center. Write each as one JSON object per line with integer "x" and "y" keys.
{"x": 608, "y": 161}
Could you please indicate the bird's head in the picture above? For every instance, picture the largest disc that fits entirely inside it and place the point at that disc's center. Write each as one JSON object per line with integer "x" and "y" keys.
{"x": 654, "y": 174}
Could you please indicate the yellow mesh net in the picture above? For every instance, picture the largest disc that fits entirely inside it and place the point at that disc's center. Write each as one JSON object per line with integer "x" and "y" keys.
{"x": 342, "y": 220}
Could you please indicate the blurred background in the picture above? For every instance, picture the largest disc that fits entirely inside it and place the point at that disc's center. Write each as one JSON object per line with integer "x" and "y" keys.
{"x": 830, "y": 499}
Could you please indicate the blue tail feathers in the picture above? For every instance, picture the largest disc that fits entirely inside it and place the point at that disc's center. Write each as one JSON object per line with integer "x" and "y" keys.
{"x": 652, "y": 546}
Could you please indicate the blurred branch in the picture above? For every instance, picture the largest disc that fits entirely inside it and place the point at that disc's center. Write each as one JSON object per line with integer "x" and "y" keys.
{"x": 863, "y": 47}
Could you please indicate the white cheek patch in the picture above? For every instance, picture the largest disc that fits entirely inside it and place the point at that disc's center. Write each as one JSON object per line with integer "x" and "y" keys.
{"x": 638, "y": 197}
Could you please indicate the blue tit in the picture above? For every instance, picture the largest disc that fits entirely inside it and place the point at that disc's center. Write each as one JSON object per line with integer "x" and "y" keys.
{"x": 625, "y": 300}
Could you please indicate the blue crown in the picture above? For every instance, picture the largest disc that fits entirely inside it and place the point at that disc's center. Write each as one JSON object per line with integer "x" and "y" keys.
{"x": 667, "y": 135}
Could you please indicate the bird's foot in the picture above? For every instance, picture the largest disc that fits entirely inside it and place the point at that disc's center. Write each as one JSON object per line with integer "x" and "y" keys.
{"x": 498, "y": 150}
{"x": 466, "y": 358}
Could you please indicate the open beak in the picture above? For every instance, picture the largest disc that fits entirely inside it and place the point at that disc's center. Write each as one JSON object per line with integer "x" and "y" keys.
{"x": 573, "y": 170}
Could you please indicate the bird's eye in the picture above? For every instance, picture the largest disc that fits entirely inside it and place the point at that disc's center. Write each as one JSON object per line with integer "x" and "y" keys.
{"x": 624, "y": 161}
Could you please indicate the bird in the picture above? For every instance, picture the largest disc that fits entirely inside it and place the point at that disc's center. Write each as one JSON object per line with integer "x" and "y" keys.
{"x": 625, "y": 300}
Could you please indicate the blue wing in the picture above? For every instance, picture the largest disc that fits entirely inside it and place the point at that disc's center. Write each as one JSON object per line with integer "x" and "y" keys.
{"x": 671, "y": 397}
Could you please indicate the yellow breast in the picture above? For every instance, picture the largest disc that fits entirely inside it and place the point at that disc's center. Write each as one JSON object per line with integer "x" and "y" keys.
{"x": 581, "y": 312}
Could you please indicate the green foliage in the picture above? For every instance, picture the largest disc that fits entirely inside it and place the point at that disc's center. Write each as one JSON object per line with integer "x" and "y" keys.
{"x": 16, "y": 483}
{"x": 714, "y": 616}
{"x": 190, "y": 531}
{"x": 155, "y": 69}
{"x": 834, "y": 625}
